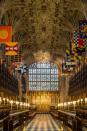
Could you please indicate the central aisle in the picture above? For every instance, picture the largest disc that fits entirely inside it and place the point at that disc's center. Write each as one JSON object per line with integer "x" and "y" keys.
{"x": 44, "y": 122}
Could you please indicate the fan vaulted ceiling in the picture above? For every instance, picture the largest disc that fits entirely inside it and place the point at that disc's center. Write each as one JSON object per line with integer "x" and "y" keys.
{"x": 42, "y": 26}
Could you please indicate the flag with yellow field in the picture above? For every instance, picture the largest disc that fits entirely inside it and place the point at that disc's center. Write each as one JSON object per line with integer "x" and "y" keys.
{"x": 5, "y": 34}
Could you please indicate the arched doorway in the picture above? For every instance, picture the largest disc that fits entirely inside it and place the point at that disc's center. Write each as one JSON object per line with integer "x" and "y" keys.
{"x": 43, "y": 85}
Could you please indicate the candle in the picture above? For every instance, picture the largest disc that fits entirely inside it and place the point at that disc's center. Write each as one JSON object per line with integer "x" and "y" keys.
{"x": 4, "y": 100}
{"x": 11, "y": 104}
{"x": 17, "y": 104}
{"x": 0, "y": 100}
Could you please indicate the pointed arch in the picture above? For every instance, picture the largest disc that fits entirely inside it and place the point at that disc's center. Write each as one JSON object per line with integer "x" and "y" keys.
{"x": 43, "y": 76}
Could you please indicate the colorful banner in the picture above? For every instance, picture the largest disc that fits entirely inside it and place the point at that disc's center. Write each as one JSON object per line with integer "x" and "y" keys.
{"x": 77, "y": 53}
{"x": 83, "y": 29}
{"x": 69, "y": 63}
{"x": 78, "y": 47}
{"x": 72, "y": 59}
{"x": 69, "y": 56}
{"x": 78, "y": 44}
{"x": 68, "y": 67}
{"x": 5, "y": 34}
{"x": 11, "y": 48}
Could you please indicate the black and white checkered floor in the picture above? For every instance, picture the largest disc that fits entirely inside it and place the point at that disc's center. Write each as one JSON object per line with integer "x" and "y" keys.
{"x": 44, "y": 122}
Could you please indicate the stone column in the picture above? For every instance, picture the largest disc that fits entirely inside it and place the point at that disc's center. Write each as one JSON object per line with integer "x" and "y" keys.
{"x": 67, "y": 88}
{"x": 64, "y": 88}
{"x": 27, "y": 86}
{"x": 19, "y": 86}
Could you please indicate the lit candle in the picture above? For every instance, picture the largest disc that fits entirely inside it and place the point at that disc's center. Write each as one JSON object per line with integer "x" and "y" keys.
{"x": 21, "y": 104}
{"x": 0, "y": 100}
{"x": 85, "y": 100}
{"x": 74, "y": 103}
{"x": 4, "y": 100}
{"x": 17, "y": 102}
{"x": 11, "y": 104}
{"x": 28, "y": 104}
{"x": 24, "y": 105}
{"x": 7, "y": 100}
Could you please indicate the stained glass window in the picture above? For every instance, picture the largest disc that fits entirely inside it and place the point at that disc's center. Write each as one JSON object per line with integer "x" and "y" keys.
{"x": 43, "y": 77}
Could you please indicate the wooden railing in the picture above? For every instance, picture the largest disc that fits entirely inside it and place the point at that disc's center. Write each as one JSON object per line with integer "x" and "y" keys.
{"x": 9, "y": 121}
{"x": 81, "y": 115}
{"x": 76, "y": 121}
